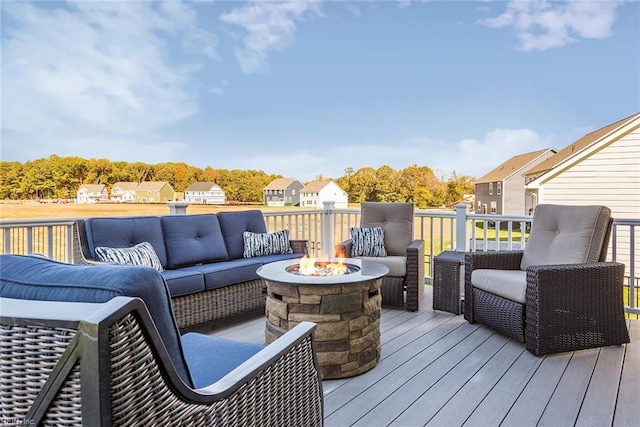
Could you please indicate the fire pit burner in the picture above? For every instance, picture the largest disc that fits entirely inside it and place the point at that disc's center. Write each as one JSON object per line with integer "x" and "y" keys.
{"x": 324, "y": 268}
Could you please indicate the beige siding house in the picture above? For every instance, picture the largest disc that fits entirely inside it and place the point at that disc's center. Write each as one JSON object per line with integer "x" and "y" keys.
{"x": 602, "y": 167}
{"x": 501, "y": 191}
{"x": 314, "y": 194}
{"x": 154, "y": 192}
{"x": 124, "y": 192}
{"x": 92, "y": 193}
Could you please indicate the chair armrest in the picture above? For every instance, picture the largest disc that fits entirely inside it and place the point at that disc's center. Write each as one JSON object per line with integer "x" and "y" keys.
{"x": 299, "y": 246}
{"x": 293, "y": 340}
{"x": 415, "y": 275}
{"x": 344, "y": 248}
{"x": 281, "y": 384}
{"x": 570, "y": 299}
{"x": 500, "y": 260}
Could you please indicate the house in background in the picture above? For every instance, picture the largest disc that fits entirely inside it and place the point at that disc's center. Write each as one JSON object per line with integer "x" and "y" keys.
{"x": 124, "y": 192}
{"x": 154, "y": 192}
{"x": 92, "y": 193}
{"x": 314, "y": 194}
{"x": 501, "y": 191}
{"x": 208, "y": 193}
{"x": 601, "y": 168}
{"x": 282, "y": 192}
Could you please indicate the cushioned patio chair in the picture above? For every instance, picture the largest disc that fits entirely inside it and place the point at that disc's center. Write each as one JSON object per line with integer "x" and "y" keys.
{"x": 99, "y": 346}
{"x": 558, "y": 294}
{"x": 403, "y": 255}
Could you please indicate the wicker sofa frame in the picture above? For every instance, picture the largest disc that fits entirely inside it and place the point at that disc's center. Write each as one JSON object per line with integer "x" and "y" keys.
{"x": 568, "y": 306}
{"x": 88, "y": 364}
{"x": 205, "y": 306}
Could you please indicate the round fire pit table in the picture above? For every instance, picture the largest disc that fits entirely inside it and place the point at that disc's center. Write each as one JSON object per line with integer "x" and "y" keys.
{"x": 346, "y": 308}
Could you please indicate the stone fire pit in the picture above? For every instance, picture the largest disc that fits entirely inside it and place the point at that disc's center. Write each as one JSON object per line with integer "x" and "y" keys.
{"x": 345, "y": 307}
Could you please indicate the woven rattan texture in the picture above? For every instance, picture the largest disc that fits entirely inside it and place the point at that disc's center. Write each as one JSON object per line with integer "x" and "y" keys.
{"x": 501, "y": 314}
{"x": 446, "y": 281}
{"x": 28, "y": 354}
{"x": 392, "y": 291}
{"x": 141, "y": 396}
{"x": 206, "y": 306}
{"x": 575, "y": 307}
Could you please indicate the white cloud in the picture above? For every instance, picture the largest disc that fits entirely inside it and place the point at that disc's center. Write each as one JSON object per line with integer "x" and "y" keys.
{"x": 268, "y": 26}
{"x": 543, "y": 25}
{"x": 467, "y": 156}
{"x": 97, "y": 70}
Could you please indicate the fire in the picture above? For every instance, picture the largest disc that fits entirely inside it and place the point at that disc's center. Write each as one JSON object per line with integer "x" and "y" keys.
{"x": 318, "y": 267}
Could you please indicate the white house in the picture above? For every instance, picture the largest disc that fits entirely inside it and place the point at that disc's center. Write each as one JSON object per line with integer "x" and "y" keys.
{"x": 205, "y": 193}
{"x": 124, "y": 192}
{"x": 602, "y": 167}
{"x": 314, "y": 194}
{"x": 92, "y": 193}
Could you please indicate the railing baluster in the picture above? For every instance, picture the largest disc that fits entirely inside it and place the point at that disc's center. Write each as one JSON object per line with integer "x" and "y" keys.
{"x": 54, "y": 237}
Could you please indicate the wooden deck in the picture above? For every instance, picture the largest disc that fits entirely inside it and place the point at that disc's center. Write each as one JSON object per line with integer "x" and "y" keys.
{"x": 437, "y": 369}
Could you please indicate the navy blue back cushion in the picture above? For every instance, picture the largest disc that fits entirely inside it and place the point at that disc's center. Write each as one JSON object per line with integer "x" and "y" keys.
{"x": 233, "y": 224}
{"x": 38, "y": 278}
{"x": 126, "y": 232}
{"x": 193, "y": 239}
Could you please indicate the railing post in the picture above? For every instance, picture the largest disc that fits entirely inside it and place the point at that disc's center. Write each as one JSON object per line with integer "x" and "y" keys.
{"x": 328, "y": 230}
{"x": 178, "y": 208}
{"x": 462, "y": 243}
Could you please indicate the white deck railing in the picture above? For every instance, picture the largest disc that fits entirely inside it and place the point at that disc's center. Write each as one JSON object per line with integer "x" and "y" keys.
{"x": 323, "y": 228}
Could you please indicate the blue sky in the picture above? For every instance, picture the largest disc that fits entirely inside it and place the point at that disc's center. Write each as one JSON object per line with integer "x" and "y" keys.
{"x": 308, "y": 88}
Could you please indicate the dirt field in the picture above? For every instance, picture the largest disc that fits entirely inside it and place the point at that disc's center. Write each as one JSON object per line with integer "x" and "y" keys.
{"x": 73, "y": 210}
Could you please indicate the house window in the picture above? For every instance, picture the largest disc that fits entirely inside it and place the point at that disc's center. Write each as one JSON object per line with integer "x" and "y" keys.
{"x": 491, "y": 188}
{"x": 499, "y": 188}
{"x": 493, "y": 207}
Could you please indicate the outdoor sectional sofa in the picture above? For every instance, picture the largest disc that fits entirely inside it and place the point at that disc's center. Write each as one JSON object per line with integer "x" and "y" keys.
{"x": 202, "y": 258}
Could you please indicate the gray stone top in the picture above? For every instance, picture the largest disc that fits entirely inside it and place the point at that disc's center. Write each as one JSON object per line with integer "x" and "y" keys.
{"x": 277, "y": 272}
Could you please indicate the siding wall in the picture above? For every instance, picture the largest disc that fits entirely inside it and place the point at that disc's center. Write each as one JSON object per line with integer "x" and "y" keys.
{"x": 609, "y": 177}
{"x": 513, "y": 195}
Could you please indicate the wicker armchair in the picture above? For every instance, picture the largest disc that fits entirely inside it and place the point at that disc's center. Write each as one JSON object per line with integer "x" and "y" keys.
{"x": 112, "y": 363}
{"x": 404, "y": 285}
{"x": 558, "y": 294}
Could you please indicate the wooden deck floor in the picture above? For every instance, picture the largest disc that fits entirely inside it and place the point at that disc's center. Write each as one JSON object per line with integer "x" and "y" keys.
{"x": 437, "y": 369}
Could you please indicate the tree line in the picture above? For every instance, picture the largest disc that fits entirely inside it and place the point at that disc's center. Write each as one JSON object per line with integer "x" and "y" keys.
{"x": 58, "y": 177}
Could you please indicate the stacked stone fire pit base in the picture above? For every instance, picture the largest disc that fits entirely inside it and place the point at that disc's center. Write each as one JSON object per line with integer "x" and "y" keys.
{"x": 347, "y": 314}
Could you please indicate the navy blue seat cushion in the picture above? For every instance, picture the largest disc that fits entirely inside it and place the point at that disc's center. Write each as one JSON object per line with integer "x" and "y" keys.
{"x": 121, "y": 232}
{"x": 233, "y": 224}
{"x": 211, "y": 358}
{"x": 37, "y": 278}
{"x": 221, "y": 274}
{"x": 183, "y": 282}
{"x": 193, "y": 239}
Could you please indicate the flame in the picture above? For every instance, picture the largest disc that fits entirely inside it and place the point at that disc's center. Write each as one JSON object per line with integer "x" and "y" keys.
{"x": 310, "y": 266}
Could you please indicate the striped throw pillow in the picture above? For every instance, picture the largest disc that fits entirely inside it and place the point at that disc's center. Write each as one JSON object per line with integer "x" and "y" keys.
{"x": 259, "y": 244}
{"x": 367, "y": 241}
{"x": 141, "y": 254}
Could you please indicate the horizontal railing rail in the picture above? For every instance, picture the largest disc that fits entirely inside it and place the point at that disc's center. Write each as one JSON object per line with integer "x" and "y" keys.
{"x": 323, "y": 228}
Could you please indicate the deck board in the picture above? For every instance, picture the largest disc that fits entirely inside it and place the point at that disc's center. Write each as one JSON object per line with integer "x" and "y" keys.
{"x": 436, "y": 369}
